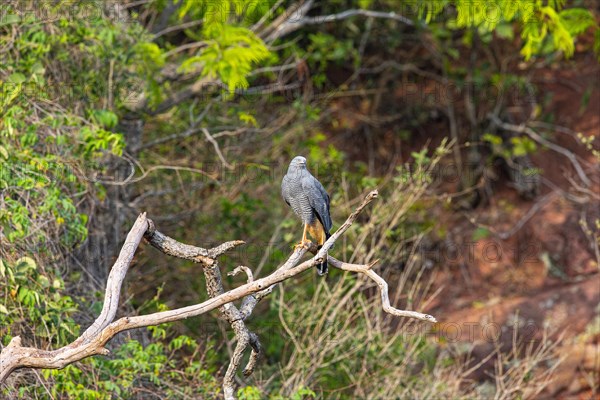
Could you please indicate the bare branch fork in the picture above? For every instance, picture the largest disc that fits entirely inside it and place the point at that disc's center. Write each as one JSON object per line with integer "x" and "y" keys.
{"x": 104, "y": 328}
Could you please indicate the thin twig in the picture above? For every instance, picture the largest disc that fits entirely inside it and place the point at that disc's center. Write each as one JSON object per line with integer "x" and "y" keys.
{"x": 243, "y": 269}
{"x": 217, "y": 149}
{"x": 293, "y": 24}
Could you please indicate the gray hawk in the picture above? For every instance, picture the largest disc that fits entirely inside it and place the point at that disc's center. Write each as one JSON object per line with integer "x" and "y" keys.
{"x": 309, "y": 200}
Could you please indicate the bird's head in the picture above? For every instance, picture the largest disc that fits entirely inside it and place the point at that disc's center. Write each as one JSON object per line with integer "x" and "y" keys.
{"x": 298, "y": 162}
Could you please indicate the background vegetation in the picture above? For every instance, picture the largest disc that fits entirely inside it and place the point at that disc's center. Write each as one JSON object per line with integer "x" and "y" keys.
{"x": 477, "y": 121}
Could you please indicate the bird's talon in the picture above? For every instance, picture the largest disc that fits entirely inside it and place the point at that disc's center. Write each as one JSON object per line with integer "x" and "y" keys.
{"x": 302, "y": 245}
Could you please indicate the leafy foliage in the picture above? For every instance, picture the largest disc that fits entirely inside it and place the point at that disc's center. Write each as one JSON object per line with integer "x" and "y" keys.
{"x": 230, "y": 55}
{"x": 48, "y": 152}
{"x": 163, "y": 366}
{"x": 544, "y": 28}
{"x": 35, "y": 303}
{"x": 230, "y": 52}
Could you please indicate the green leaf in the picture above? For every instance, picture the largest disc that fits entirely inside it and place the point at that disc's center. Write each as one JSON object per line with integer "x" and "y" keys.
{"x": 43, "y": 281}
{"x": 522, "y": 146}
{"x": 151, "y": 53}
{"x": 576, "y": 20}
{"x": 249, "y": 393}
{"x": 106, "y": 118}
{"x": 38, "y": 68}
{"x": 505, "y": 31}
{"x": 17, "y": 77}
{"x": 452, "y": 52}
{"x": 9, "y": 19}
{"x": 493, "y": 139}
{"x": 25, "y": 263}
{"x": 247, "y": 118}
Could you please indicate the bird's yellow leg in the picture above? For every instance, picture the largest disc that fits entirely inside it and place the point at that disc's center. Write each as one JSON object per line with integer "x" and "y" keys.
{"x": 304, "y": 242}
{"x": 304, "y": 239}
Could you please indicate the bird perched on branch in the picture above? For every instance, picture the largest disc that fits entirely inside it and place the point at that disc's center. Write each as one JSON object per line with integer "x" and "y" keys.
{"x": 309, "y": 200}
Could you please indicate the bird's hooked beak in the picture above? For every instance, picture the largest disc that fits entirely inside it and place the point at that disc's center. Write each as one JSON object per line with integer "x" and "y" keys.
{"x": 299, "y": 162}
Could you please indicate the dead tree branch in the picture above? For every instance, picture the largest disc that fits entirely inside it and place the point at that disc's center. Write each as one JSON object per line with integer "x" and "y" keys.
{"x": 214, "y": 287}
{"x": 93, "y": 340}
{"x": 296, "y": 18}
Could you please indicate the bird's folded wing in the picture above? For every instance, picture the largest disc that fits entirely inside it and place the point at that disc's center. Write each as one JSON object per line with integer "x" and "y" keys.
{"x": 318, "y": 200}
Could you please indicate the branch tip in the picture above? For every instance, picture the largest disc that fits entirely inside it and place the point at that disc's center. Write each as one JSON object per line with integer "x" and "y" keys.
{"x": 15, "y": 342}
{"x": 103, "y": 351}
{"x": 245, "y": 269}
{"x": 224, "y": 247}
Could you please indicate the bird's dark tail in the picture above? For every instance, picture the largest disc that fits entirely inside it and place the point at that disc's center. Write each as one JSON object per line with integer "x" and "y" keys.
{"x": 323, "y": 268}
